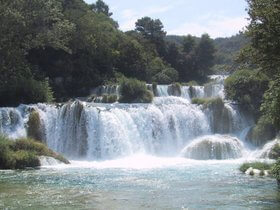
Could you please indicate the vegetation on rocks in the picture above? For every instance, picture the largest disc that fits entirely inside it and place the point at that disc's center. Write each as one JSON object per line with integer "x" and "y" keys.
{"x": 23, "y": 153}
{"x": 134, "y": 91}
{"x": 207, "y": 102}
{"x": 255, "y": 165}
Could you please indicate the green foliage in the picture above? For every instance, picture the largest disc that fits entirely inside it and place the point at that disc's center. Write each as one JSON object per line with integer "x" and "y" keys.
{"x": 247, "y": 88}
{"x": 255, "y": 165}
{"x": 271, "y": 103}
{"x": 23, "y": 153}
{"x": 134, "y": 91}
{"x": 109, "y": 99}
{"x": 162, "y": 73}
{"x": 262, "y": 132}
{"x": 205, "y": 53}
{"x": 101, "y": 7}
{"x": 188, "y": 44}
{"x": 25, "y": 91}
{"x": 191, "y": 83}
{"x": 276, "y": 171}
{"x": 264, "y": 30}
{"x": 34, "y": 126}
{"x": 78, "y": 47}
{"x": 207, "y": 102}
{"x": 275, "y": 152}
{"x": 24, "y": 159}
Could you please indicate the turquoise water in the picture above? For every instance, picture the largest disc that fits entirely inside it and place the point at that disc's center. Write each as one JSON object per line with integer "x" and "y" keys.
{"x": 138, "y": 183}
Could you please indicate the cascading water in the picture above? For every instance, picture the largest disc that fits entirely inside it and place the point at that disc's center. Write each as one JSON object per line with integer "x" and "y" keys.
{"x": 170, "y": 126}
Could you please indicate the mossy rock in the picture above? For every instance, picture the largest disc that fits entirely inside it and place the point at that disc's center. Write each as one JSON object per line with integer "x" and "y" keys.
{"x": 261, "y": 133}
{"x": 174, "y": 89}
{"x": 109, "y": 98}
{"x": 255, "y": 165}
{"x": 35, "y": 127}
{"x": 134, "y": 91}
{"x": 23, "y": 153}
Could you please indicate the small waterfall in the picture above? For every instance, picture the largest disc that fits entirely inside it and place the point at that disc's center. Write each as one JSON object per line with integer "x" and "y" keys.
{"x": 215, "y": 147}
{"x": 162, "y": 90}
{"x": 106, "y": 90}
{"x": 12, "y": 121}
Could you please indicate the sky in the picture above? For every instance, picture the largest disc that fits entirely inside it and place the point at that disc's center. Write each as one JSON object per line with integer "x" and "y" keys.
{"x": 218, "y": 18}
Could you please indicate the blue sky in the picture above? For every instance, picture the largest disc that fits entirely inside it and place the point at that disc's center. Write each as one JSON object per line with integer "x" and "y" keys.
{"x": 218, "y": 18}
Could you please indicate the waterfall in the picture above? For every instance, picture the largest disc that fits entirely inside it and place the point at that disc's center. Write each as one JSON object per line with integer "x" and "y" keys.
{"x": 169, "y": 126}
{"x": 218, "y": 147}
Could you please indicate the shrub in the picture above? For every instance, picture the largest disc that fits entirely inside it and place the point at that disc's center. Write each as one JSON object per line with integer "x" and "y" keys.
{"x": 25, "y": 91}
{"x": 276, "y": 171}
{"x": 109, "y": 98}
{"x": 247, "y": 88}
{"x": 271, "y": 104}
{"x": 255, "y": 165}
{"x": 262, "y": 132}
{"x": 6, "y": 159}
{"x": 25, "y": 159}
{"x": 34, "y": 126}
{"x": 134, "y": 91}
{"x": 207, "y": 102}
{"x": 275, "y": 152}
{"x": 191, "y": 83}
{"x": 23, "y": 153}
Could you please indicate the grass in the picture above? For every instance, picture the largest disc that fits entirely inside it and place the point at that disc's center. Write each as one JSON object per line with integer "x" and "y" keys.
{"x": 208, "y": 101}
{"x": 23, "y": 153}
{"x": 109, "y": 98}
{"x": 255, "y": 165}
{"x": 134, "y": 91}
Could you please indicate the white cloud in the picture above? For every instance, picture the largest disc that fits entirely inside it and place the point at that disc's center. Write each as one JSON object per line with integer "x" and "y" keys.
{"x": 214, "y": 25}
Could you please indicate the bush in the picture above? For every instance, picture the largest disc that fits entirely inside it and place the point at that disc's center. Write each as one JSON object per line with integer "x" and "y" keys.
{"x": 25, "y": 91}
{"x": 247, "y": 88}
{"x": 275, "y": 152}
{"x": 6, "y": 159}
{"x": 191, "y": 83}
{"x": 256, "y": 165}
{"x": 262, "y": 132}
{"x": 276, "y": 171}
{"x": 207, "y": 102}
{"x": 24, "y": 159}
{"x": 109, "y": 99}
{"x": 23, "y": 153}
{"x": 134, "y": 91}
{"x": 34, "y": 126}
{"x": 271, "y": 104}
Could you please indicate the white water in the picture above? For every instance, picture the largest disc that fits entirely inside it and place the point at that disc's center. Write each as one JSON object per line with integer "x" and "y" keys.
{"x": 168, "y": 127}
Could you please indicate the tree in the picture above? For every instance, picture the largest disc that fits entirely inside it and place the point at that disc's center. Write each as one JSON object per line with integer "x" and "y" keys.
{"x": 188, "y": 44}
{"x": 264, "y": 31}
{"x": 152, "y": 30}
{"x": 271, "y": 103}
{"x": 101, "y": 7}
{"x": 204, "y": 56}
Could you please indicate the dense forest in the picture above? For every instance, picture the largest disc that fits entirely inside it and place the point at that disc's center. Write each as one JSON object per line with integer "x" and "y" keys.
{"x": 58, "y": 49}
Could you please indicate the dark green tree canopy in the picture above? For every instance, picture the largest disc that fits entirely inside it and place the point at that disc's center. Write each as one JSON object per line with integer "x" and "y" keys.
{"x": 101, "y": 7}
{"x": 151, "y": 29}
